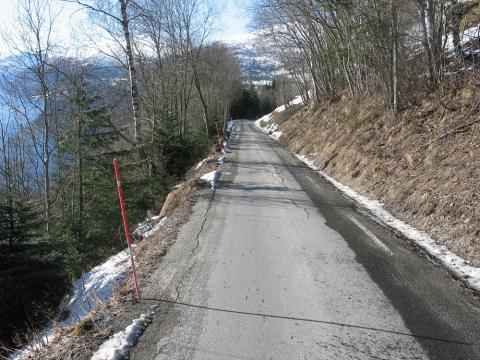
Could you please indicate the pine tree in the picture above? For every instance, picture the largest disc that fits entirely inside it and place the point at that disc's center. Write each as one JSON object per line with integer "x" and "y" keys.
{"x": 19, "y": 220}
{"x": 28, "y": 262}
{"x": 91, "y": 194}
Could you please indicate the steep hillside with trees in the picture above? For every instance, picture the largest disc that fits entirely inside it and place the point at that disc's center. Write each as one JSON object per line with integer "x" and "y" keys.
{"x": 422, "y": 165}
{"x": 151, "y": 99}
{"x": 392, "y": 90}
{"x": 395, "y": 50}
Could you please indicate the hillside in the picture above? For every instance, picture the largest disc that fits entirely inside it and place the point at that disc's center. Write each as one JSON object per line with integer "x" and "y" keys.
{"x": 422, "y": 164}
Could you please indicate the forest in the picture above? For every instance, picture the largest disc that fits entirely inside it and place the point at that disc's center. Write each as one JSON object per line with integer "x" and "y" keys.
{"x": 396, "y": 50}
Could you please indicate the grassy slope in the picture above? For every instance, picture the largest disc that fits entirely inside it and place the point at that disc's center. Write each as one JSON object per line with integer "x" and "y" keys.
{"x": 423, "y": 177}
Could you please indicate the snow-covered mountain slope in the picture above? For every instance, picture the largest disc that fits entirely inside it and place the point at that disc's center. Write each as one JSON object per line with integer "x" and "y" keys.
{"x": 256, "y": 67}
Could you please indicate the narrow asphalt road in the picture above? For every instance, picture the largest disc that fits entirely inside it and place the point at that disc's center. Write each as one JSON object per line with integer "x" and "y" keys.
{"x": 277, "y": 264}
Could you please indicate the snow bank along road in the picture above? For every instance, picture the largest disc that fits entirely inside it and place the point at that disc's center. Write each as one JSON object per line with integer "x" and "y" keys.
{"x": 277, "y": 264}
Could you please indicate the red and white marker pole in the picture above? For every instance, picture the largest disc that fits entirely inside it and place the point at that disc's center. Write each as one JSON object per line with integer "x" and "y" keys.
{"x": 125, "y": 227}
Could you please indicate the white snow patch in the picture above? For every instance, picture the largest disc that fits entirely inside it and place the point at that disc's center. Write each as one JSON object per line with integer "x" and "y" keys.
{"x": 95, "y": 287}
{"x": 231, "y": 124}
{"x": 211, "y": 177}
{"x": 46, "y": 337}
{"x": 466, "y": 35}
{"x": 201, "y": 163}
{"x": 118, "y": 346}
{"x": 271, "y": 129}
{"x": 296, "y": 101}
{"x": 276, "y": 135}
{"x": 454, "y": 263}
{"x": 155, "y": 227}
{"x": 145, "y": 226}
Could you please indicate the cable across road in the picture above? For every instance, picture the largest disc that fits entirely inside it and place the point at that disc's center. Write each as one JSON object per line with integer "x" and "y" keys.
{"x": 326, "y": 322}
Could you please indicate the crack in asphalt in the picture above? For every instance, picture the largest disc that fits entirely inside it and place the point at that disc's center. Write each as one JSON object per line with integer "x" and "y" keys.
{"x": 205, "y": 217}
{"x": 197, "y": 244}
{"x": 301, "y": 207}
{"x": 181, "y": 282}
{"x": 278, "y": 172}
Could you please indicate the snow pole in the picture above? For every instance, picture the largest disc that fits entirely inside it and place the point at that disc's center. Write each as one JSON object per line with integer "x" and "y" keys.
{"x": 219, "y": 139}
{"x": 126, "y": 229}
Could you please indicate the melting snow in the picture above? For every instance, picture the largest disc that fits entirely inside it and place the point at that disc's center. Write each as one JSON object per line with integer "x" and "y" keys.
{"x": 271, "y": 129}
{"x": 118, "y": 346}
{"x": 201, "y": 163}
{"x": 211, "y": 177}
{"x": 466, "y": 35}
{"x": 95, "y": 287}
{"x": 149, "y": 226}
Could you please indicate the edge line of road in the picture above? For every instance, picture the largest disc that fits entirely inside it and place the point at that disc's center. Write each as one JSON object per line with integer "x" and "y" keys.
{"x": 371, "y": 235}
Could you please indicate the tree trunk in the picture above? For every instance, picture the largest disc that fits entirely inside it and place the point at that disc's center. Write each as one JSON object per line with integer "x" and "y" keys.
{"x": 80, "y": 182}
{"x": 435, "y": 38}
{"x": 456, "y": 13}
{"x": 132, "y": 74}
{"x": 394, "y": 14}
{"x": 46, "y": 141}
{"x": 202, "y": 99}
{"x": 46, "y": 175}
{"x": 426, "y": 44}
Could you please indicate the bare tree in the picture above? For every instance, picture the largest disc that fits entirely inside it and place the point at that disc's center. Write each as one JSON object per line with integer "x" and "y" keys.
{"x": 31, "y": 100}
{"x": 394, "y": 15}
{"x": 108, "y": 15}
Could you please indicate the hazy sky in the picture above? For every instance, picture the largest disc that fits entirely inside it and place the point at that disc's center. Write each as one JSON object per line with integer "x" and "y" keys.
{"x": 231, "y": 24}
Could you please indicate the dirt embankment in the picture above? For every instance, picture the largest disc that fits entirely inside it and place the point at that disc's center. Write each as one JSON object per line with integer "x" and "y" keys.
{"x": 424, "y": 165}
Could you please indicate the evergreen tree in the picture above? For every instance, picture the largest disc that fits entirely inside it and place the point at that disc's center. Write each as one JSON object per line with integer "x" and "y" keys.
{"x": 31, "y": 266}
{"x": 18, "y": 220}
{"x": 88, "y": 219}
{"x": 247, "y": 105}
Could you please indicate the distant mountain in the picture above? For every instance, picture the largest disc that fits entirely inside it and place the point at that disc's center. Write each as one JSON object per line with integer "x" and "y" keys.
{"x": 256, "y": 68}
{"x": 19, "y": 88}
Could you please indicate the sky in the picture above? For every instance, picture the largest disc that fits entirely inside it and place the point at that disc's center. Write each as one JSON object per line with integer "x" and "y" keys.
{"x": 232, "y": 23}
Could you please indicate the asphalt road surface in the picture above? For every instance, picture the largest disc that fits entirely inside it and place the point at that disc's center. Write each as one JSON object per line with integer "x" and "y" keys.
{"x": 277, "y": 264}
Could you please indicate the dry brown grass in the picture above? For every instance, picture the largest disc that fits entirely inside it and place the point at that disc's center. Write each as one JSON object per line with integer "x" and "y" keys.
{"x": 424, "y": 165}
{"x": 473, "y": 17}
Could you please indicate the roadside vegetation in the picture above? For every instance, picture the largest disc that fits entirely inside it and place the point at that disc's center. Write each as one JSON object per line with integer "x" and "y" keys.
{"x": 155, "y": 100}
{"x": 391, "y": 90}
{"x": 396, "y": 51}
{"x": 422, "y": 165}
